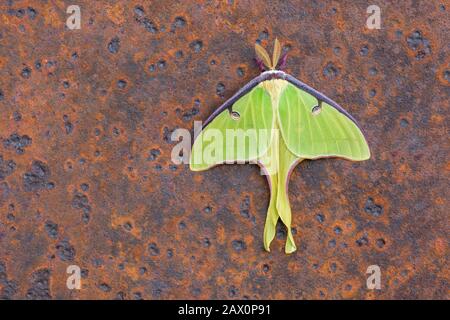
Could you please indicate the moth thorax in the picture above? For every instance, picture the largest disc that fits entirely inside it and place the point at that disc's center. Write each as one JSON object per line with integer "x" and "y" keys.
{"x": 274, "y": 87}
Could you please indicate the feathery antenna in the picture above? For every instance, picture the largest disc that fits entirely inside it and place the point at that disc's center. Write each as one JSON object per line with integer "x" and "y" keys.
{"x": 263, "y": 60}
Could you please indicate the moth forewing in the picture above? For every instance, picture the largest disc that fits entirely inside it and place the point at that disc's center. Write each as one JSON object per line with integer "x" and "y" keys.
{"x": 241, "y": 145}
{"x": 213, "y": 147}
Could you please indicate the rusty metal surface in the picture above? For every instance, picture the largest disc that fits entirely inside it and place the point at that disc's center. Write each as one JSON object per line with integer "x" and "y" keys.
{"x": 86, "y": 176}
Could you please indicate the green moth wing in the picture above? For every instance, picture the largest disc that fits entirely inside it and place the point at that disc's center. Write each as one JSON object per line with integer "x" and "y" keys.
{"x": 313, "y": 129}
{"x": 251, "y": 116}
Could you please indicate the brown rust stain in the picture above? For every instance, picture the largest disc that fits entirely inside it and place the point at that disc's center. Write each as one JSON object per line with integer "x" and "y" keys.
{"x": 86, "y": 176}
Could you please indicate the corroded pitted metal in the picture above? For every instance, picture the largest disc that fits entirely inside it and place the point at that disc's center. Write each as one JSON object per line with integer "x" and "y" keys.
{"x": 86, "y": 177}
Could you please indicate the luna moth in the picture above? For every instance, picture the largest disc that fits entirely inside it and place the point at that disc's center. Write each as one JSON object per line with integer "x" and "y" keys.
{"x": 298, "y": 123}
